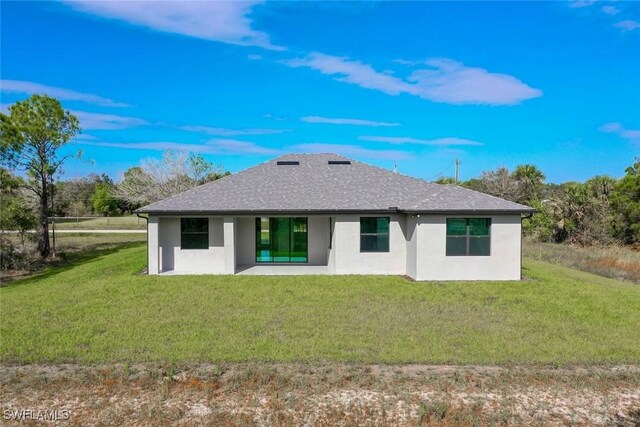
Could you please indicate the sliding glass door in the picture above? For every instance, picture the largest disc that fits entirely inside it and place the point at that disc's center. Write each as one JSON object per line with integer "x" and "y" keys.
{"x": 281, "y": 240}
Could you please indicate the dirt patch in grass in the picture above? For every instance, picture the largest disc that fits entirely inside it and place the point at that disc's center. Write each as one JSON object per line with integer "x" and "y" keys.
{"x": 331, "y": 394}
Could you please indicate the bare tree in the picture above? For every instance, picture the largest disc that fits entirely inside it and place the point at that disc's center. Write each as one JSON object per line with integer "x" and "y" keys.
{"x": 499, "y": 183}
{"x": 155, "y": 179}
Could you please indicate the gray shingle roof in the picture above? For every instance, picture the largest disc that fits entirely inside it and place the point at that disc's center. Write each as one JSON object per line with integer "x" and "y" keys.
{"x": 315, "y": 185}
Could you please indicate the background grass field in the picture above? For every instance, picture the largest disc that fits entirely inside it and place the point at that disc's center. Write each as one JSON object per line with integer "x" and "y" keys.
{"x": 617, "y": 262}
{"x": 100, "y": 308}
{"x": 128, "y": 222}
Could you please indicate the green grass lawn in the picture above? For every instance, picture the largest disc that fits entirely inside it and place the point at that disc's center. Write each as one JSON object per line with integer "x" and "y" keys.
{"x": 101, "y": 309}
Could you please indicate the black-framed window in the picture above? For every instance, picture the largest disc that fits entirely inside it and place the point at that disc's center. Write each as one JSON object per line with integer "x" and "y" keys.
{"x": 194, "y": 233}
{"x": 374, "y": 234}
{"x": 468, "y": 236}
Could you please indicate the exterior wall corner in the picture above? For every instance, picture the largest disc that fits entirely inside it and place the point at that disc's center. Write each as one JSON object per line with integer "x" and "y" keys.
{"x": 153, "y": 263}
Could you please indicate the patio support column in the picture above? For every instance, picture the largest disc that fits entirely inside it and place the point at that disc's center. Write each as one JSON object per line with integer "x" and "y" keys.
{"x": 229, "y": 245}
{"x": 153, "y": 265}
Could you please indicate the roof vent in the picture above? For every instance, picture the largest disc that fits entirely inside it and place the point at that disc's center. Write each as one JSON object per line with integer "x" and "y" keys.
{"x": 339, "y": 162}
{"x": 287, "y": 162}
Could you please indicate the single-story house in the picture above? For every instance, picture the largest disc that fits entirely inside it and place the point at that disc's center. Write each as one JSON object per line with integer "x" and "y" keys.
{"x": 327, "y": 214}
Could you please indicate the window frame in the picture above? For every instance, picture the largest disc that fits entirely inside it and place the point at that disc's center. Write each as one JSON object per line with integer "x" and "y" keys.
{"x": 193, "y": 233}
{"x": 468, "y": 236}
{"x": 376, "y": 234}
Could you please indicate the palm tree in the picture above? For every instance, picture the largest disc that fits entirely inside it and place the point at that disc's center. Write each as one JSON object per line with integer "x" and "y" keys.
{"x": 530, "y": 179}
{"x": 601, "y": 186}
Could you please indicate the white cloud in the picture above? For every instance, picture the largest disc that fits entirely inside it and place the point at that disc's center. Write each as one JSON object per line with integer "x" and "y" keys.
{"x": 276, "y": 118}
{"x": 85, "y": 137}
{"x": 627, "y": 25}
{"x": 107, "y": 121}
{"x": 222, "y": 147}
{"x": 356, "y": 122}
{"x": 223, "y": 21}
{"x": 618, "y": 129}
{"x": 446, "y": 80}
{"x": 610, "y": 10}
{"x": 581, "y": 3}
{"x": 354, "y": 72}
{"x": 452, "y": 82}
{"x": 20, "y": 86}
{"x": 233, "y": 146}
{"x": 232, "y": 132}
{"x": 154, "y": 146}
{"x": 351, "y": 150}
{"x": 409, "y": 140}
{"x": 215, "y": 146}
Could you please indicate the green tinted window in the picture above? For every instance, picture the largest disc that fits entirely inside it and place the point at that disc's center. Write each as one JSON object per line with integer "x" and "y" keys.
{"x": 479, "y": 246}
{"x": 374, "y": 234}
{"x": 456, "y": 246}
{"x": 456, "y": 227}
{"x": 194, "y": 233}
{"x": 479, "y": 226}
{"x": 468, "y": 236}
{"x": 368, "y": 225}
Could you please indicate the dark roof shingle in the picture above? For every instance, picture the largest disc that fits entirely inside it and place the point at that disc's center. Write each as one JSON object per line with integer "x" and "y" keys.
{"x": 316, "y": 185}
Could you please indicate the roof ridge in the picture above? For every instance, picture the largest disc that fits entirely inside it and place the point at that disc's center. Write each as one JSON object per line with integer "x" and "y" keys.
{"x": 489, "y": 195}
{"x": 317, "y": 186}
{"x": 442, "y": 190}
{"x": 414, "y": 178}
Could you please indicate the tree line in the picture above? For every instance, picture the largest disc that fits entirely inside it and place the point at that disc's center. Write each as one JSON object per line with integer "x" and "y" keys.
{"x": 153, "y": 180}
{"x": 602, "y": 210}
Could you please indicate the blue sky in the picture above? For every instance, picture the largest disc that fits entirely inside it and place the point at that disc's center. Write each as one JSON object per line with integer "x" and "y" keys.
{"x": 418, "y": 83}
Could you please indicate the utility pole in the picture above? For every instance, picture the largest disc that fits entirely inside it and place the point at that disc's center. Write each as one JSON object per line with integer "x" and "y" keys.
{"x": 457, "y": 170}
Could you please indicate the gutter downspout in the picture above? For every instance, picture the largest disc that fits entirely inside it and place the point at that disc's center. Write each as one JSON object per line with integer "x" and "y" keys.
{"x": 146, "y": 218}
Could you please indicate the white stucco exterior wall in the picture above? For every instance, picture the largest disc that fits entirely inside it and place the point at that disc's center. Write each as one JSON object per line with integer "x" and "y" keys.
{"x": 504, "y": 263}
{"x": 349, "y": 259}
{"x": 318, "y": 235}
{"x": 229, "y": 244}
{"x": 153, "y": 262}
{"x": 246, "y": 244}
{"x": 191, "y": 261}
{"x": 417, "y": 248}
